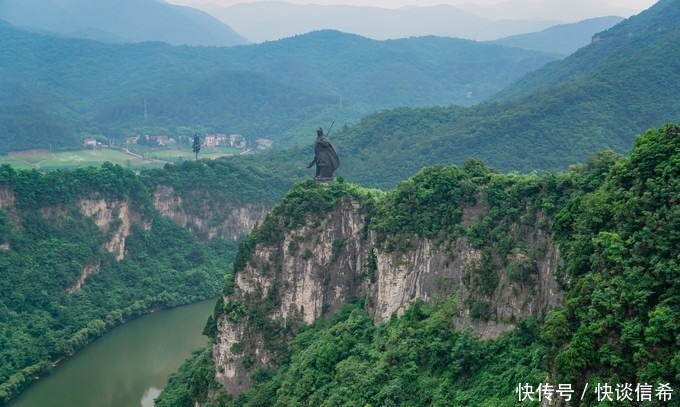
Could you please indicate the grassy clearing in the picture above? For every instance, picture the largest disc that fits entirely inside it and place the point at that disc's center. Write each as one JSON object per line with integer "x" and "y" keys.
{"x": 176, "y": 154}
{"x": 46, "y": 160}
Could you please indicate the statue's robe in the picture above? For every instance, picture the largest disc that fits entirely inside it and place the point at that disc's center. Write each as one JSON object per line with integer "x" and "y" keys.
{"x": 325, "y": 155}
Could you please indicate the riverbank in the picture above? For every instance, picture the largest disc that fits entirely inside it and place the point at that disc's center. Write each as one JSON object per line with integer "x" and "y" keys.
{"x": 127, "y": 366}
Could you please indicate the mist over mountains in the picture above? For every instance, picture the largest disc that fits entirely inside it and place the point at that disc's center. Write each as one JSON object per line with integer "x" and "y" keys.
{"x": 120, "y": 21}
{"x": 214, "y": 25}
{"x": 563, "y": 39}
{"x": 269, "y": 20}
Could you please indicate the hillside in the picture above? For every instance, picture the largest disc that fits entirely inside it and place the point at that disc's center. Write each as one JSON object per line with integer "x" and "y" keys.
{"x": 83, "y": 251}
{"x": 632, "y": 44}
{"x": 598, "y": 98}
{"x": 120, "y": 21}
{"x": 562, "y": 39}
{"x": 59, "y": 90}
{"x": 453, "y": 288}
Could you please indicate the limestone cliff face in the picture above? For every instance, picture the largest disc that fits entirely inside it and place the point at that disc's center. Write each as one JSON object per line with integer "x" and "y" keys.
{"x": 315, "y": 269}
{"x": 6, "y": 197}
{"x": 208, "y": 218}
{"x": 113, "y": 217}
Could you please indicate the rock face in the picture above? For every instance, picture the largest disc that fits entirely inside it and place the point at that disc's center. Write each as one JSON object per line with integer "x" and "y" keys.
{"x": 208, "y": 218}
{"x": 114, "y": 217}
{"x": 6, "y": 197}
{"x": 315, "y": 269}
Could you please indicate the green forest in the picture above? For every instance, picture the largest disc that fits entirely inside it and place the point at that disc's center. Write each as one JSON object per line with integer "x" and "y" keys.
{"x": 57, "y": 91}
{"x": 616, "y": 220}
{"x": 47, "y": 240}
{"x": 576, "y": 149}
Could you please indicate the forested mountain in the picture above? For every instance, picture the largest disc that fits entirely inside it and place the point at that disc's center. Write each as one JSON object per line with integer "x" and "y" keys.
{"x": 462, "y": 286}
{"x": 563, "y": 39}
{"x": 616, "y": 53}
{"x": 57, "y": 90}
{"x": 120, "y": 21}
{"x": 599, "y": 98}
{"x": 86, "y": 250}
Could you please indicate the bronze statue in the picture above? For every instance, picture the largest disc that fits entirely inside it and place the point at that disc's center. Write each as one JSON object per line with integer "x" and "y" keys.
{"x": 325, "y": 158}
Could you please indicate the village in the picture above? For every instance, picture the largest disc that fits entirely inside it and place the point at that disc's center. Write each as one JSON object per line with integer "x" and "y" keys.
{"x": 138, "y": 151}
{"x": 236, "y": 141}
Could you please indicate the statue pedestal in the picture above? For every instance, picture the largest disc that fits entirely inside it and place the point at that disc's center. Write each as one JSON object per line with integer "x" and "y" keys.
{"x": 319, "y": 179}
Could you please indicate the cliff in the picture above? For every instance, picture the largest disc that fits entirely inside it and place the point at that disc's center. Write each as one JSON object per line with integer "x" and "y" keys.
{"x": 219, "y": 198}
{"x": 326, "y": 245}
{"x": 88, "y": 245}
{"x": 208, "y": 218}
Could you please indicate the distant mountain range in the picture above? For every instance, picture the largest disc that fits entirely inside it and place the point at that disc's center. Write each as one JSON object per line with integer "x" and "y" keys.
{"x": 271, "y": 20}
{"x": 563, "y": 39}
{"x": 129, "y": 21}
{"x": 562, "y": 10}
{"x": 120, "y": 21}
{"x": 55, "y": 90}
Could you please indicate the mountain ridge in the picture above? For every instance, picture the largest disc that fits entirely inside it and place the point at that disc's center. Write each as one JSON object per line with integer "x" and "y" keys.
{"x": 598, "y": 98}
{"x": 286, "y": 87}
{"x": 121, "y": 21}
{"x": 562, "y": 39}
{"x": 257, "y": 21}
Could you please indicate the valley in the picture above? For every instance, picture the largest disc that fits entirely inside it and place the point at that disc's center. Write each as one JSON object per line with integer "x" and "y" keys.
{"x": 502, "y": 217}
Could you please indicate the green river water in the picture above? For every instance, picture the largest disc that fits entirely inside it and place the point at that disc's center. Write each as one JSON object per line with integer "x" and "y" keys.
{"x": 128, "y": 366}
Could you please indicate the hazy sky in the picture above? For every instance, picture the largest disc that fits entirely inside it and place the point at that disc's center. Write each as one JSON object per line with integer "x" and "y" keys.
{"x": 636, "y": 5}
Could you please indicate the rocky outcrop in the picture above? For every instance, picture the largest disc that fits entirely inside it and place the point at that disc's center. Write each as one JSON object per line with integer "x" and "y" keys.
{"x": 6, "y": 197}
{"x": 112, "y": 217}
{"x": 88, "y": 270}
{"x": 315, "y": 269}
{"x": 208, "y": 218}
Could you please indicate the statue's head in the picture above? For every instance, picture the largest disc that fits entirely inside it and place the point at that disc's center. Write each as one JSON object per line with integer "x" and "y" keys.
{"x": 319, "y": 132}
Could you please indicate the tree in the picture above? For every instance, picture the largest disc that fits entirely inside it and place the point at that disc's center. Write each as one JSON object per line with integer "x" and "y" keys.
{"x": 196, "y": 145}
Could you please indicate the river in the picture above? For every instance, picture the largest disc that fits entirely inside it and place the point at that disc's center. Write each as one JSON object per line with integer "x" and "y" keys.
{"x": 128, "y": 366}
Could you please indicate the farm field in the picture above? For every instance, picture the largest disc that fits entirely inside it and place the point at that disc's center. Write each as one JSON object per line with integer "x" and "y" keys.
{"x": 176, "y": 154}
{"x": 45, "y": 160}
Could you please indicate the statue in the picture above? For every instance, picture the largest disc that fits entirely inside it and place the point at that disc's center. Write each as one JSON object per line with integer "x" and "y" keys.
{"x": 325, "y": 158}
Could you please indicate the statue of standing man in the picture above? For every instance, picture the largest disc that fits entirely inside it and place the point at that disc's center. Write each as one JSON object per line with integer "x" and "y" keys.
{"x": 325, "y": 158}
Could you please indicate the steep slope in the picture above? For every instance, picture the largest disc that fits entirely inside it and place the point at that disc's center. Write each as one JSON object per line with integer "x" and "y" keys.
{"x": 80, "y": 253}
{"x": 470, "y": 232}
{"x": 452, "y": 248}
{"x": 83, "y": 251}
{"x": 562, "y": 39}
{"x": 602, "y": 96}
{"x": 215, "y": 199}
{"x": 120, "y": 21}
{"x": 633, "y": 43}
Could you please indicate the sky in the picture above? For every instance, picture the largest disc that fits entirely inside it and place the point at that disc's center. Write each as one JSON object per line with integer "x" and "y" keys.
{"x": 635, "y": 5}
